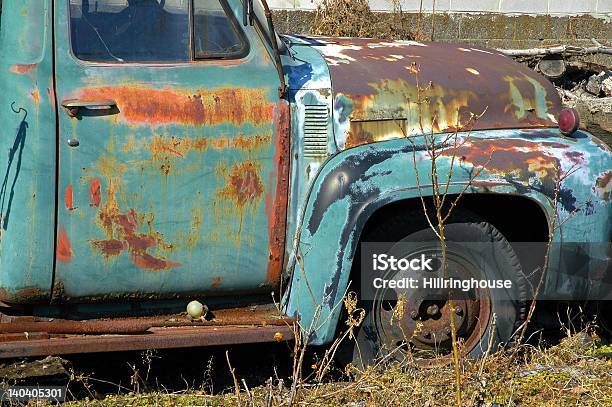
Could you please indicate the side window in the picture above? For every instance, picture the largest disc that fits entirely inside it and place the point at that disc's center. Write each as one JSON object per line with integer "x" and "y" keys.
{"x": 122, "y": 31}
{"x": 130, "y": 30}
{"x": 215, "y": 33}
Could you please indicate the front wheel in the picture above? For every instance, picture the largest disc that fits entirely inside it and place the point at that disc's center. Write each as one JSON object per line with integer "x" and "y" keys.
{"x": 417, "y": 323}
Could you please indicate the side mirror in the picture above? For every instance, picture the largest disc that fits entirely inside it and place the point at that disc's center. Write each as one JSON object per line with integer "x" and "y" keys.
{"x": 247, "y": 13}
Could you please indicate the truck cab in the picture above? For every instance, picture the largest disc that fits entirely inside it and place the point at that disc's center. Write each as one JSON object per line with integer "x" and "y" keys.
{"x": 160, "y": 151}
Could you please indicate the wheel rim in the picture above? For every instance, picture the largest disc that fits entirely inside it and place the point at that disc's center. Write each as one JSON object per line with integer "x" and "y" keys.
{"x": 418, "y": 321}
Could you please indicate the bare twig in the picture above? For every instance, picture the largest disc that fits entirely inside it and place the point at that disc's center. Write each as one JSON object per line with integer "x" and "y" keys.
{"x": 236, "y": 385}
{"x": 554, "y": 225}
{"x": 248, "y": 392}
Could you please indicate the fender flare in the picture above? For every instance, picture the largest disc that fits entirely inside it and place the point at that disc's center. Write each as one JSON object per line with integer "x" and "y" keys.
{"x": 349, "y": 188}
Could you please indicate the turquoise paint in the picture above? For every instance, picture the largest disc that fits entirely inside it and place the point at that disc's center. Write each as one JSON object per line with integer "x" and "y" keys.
{"x": 321, "y": 277}
{"x": 175, "y": 200}
{"x": 308, "y": 79}
{"x": 27, "y": 152}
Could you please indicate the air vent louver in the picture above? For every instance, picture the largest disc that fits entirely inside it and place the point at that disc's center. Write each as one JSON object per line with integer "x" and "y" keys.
{"x": 315, "y": 131}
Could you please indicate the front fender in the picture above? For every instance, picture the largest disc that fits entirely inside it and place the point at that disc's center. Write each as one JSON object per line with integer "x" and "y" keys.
{"x": 354, "y": 184}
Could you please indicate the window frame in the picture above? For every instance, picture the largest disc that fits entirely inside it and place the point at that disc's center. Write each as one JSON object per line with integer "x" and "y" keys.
{"x": 244, "y": 52}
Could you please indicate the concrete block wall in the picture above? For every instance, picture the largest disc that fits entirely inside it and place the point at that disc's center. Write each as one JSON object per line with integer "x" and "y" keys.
{"x": 492, "y": 30}
{"x": 550, "y": 7}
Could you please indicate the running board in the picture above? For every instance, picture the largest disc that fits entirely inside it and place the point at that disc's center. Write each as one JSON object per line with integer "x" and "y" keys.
{"x": 32, "y": 336}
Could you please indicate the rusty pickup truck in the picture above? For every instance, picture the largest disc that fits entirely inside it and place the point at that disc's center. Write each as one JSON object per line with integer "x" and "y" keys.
{"x": 155, "y": 152}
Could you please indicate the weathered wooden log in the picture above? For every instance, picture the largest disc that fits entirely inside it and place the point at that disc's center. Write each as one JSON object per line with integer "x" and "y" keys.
{"x": 597, "y": 48}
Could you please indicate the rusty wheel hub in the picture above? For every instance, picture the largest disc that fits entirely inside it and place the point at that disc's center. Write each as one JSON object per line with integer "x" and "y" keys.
{"x": 420, "y": 319}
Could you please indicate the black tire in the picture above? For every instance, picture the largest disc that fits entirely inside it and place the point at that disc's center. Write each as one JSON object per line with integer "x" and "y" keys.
{"x": 508, "y": 306}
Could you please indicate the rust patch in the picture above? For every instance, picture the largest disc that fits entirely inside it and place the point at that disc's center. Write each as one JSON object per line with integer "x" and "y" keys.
{"x": 122, "y": 231}
{"x": 149, "y": 262}
{"x": 64, "y": 250}
{"x": 165, "y": 150}
{"x": 216, "y": 284}
{"x": 603, "y": 186}
{"x": 508, "y": 156}
{"x": 244, "y": 184}
{"x": 370, "y": 131}
{"x": 68, "y": 198}
{"x": 110, "y": 247}
{"x": 388, "y": 79}
{"x": 276, "y": 205}
{"x": 241, "y": 142}
{"x": 28, "y": 295}
{"x": 95, "y": 192}
{"x": 22, "y": 69}
{"x": 198, "y": 107}
{"x": 161, "y": 146}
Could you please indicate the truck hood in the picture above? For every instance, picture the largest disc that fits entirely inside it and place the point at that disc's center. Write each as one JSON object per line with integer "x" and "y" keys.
{"x": 389, "y": 89}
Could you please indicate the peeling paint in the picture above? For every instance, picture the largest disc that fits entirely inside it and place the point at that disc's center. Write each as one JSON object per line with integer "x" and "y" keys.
{"x": 524, "y": 158}
{"x": 23, "y": 69}
{"x": 603, "y": 186}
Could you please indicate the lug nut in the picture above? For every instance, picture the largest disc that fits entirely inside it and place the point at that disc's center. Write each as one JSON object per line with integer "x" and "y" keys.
{"x": 433, "y": 310}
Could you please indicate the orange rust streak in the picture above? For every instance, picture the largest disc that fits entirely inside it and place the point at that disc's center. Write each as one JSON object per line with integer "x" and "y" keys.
{"x": 141, "y": 105}
{"x": 36, "y": 96}
{"x": 276, "y": 205}
{"x": 64, "y": 250}
{"x": 94, "y": 192}
{"x": 68, "y": 197}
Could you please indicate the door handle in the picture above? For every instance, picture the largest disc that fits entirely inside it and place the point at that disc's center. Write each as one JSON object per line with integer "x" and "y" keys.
{"x": 74, "y": 106}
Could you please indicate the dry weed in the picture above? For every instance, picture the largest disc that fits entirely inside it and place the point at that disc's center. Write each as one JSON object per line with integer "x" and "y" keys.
{"x": 353, "y": 18}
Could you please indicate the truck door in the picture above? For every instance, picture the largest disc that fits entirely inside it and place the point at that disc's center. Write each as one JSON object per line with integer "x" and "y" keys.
{"x": 170, "y": 178}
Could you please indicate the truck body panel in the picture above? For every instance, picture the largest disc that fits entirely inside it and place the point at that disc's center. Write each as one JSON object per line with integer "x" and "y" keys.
{"x": 177, "y": 193}
{"x": 185, "y": 175}
{"x": 28, "y": 151}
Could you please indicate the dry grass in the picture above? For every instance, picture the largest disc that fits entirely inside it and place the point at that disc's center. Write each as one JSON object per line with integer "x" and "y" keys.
{"x": 578, "y": 371}
{"x": 353, "y": 18}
